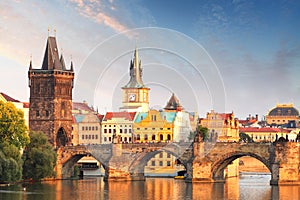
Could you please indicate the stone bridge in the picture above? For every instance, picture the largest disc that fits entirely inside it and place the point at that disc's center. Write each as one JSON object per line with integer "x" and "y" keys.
{"x": 120, "y": 161}
{"x": 204, "y": 162}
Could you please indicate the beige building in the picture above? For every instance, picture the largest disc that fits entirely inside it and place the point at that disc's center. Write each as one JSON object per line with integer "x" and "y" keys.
{"x": 267, "y": 134}
{"x": 86, "y": 124}
{"x": 117, "y": 127}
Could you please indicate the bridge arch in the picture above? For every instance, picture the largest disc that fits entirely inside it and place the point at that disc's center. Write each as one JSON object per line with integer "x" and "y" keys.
{"x": 68, "y": 156}
{"x": 219, "y": 165}
{"x": 138, "y": 165}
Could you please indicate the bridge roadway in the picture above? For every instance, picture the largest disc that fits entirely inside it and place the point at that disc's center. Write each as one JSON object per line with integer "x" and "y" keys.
{"x": 204, "y": 162}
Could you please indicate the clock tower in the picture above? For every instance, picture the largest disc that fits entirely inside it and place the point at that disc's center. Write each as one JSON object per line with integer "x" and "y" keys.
{"x": 135, "y": 93}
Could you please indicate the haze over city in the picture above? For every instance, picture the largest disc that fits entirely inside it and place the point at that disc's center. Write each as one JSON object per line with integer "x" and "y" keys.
{"x": 252, "y": 50}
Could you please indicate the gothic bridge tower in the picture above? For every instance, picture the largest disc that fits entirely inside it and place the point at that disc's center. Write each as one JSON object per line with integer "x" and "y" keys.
{"x": 50, "y": 109}
{"x": 135, "y": 93}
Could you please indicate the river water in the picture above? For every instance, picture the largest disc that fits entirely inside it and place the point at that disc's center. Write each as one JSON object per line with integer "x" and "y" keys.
{"x": 247, "y": 186}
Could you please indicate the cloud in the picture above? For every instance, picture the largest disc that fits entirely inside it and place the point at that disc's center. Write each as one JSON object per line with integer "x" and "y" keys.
{"x": 117, "y": 15}
{"x": 99, "y": 13}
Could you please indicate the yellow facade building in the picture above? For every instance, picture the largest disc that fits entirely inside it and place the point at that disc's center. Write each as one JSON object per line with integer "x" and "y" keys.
{"x": 154, "y": 126}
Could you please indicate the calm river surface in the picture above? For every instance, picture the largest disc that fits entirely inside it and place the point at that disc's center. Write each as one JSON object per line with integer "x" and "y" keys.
{"x": 245, "y": 187}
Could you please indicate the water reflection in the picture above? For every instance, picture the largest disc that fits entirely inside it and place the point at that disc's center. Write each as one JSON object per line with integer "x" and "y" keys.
{"x": 245, "y": 187}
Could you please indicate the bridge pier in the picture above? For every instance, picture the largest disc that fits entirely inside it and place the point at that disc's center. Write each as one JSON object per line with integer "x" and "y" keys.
{"x": 288, "y": 159}
{"x": 275, "y": 174}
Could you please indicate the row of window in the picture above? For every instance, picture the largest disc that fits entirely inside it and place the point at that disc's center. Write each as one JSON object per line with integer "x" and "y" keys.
{"x": 153, "y": 137}
{"x": 264, "y": 137}
{"x": 115, "y": 125}
{"x": 90, "y": 128}
{"x": 153, "y": 128}
{"x": 160, "y": 163}
{"x": 115, "y": 130}
{"x": 89, "y": 137}
{"x": 122, "y": 139}
{"x": 153, "y": 117}
{"x": 278, "y": 120}
{"x": 161, "y": 155}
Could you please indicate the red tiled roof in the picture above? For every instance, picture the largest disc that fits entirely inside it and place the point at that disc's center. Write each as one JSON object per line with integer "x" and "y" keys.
{"x": 81, "y": 106}
{"x": 8, "y": 98}
{"x": 100, "y": 117}
{"x": 247, "y": 122}
{"x": 126, "y": 115}
{"x": 225, "y": 115}
{"x": 264, "y": 129}
{"x": 25, "y": 104}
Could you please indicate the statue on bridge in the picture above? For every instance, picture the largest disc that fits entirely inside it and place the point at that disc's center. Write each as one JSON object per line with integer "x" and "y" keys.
{"x": 298, "y": 137}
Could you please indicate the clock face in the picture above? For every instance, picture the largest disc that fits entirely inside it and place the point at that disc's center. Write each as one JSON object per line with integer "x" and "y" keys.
{"x": 132, "y": 97}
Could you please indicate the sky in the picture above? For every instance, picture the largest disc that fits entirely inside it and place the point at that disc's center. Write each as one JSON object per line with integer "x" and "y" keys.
{"x": 240, "y": 55}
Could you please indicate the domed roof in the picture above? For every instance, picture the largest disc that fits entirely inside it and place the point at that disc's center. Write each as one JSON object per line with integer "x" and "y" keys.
{"x": 284, "y": 110}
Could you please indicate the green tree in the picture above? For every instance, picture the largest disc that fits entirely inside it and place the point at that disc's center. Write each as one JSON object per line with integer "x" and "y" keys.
{"x": 10, "y": 163}
{"x": 39, "y": 157}
{"x": 13, "y": 137}
{"x": 12, "y": 125}
{"x": 203, "y": 132}
{"x": 244, "y": 137}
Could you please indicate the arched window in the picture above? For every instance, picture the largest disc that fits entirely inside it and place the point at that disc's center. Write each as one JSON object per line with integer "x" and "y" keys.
{"x": 146, "y": 137}
{"x": 161, "y": 137}
{"x": 169, "y": 137}
{"x": 138, "y": 137}
{"x": 153, "y": 137}
{"x": 61, "y": 138}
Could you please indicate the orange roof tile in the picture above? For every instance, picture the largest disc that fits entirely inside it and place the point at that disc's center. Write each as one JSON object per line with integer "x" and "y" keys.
{"x": 126, "y": 115}
{"x": 25, "y": 104}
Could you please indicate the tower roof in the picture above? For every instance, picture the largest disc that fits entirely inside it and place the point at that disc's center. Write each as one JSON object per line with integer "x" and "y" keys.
{"x": 51, "y": 58}
{"x": 173, "y": 103}
{"x": 136, "y": 71}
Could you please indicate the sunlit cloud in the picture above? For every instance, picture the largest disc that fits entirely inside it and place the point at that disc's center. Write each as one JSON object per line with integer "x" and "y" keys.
{"x": 94, "y": 10}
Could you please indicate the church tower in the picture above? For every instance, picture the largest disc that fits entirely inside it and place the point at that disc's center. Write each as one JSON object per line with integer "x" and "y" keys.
{"x": 135, "y": 93}
{"x": 50, "y": 109}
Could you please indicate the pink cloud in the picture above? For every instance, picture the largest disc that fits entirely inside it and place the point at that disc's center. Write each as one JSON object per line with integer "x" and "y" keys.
{"x": 94, "y": 10}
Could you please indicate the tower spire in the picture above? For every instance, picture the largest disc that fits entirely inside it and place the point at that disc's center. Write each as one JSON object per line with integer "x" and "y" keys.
{"x": 71, "y": 68}
{"x": 135, "y": 72}
{"x": 30, "y": 63}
